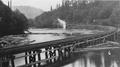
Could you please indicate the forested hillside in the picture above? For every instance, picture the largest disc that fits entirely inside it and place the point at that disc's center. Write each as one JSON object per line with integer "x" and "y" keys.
{"x": 11, "y": 22}
{"x": 82, "y": 12}
{"x": 29, "y": 12}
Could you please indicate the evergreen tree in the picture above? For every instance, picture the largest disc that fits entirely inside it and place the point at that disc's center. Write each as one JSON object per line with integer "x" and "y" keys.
{"x": 82, "y": 12}
{"x": 11, "y": 22}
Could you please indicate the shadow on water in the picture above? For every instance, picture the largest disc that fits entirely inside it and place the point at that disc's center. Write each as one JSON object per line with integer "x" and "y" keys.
{"x": 103, "y": 58}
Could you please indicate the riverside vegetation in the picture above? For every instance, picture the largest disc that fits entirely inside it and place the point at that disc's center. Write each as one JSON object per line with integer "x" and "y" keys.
{"x": 73, "y": 12}
{"x": 80, "y": 12}
{"x": 11, "y": 22}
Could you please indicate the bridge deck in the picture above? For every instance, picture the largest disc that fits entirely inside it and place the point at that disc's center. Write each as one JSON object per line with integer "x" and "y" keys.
{"x": 54, "y": 51}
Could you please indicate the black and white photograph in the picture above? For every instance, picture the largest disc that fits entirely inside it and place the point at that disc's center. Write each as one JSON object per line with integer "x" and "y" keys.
{"x": 59, "y": 33}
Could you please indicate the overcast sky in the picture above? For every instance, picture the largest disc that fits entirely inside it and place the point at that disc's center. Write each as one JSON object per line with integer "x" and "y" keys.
{"x": 42, "y": 4}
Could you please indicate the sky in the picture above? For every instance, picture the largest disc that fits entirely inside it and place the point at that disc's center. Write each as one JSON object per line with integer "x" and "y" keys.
{"x": 42, "y": 4}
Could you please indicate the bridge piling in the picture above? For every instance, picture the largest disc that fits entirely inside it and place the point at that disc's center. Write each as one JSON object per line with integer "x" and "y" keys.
{"x": 12, "y": 61}
{"x": 4, "y": 61}
{"x": 46, "y": 55}
{"x": 32, "y": 58}
{"x": 54, "y": 53}
{"x": 26, "y": 59}
{"x": 39, "y": 56}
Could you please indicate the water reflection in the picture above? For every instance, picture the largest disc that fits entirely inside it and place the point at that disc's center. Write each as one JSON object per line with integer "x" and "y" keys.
{"x": 106, "y": 58}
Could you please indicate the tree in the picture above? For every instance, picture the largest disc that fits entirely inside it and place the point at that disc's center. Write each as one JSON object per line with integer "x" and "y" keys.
{"x": 81, "y": 12}
{"x": 21, "y": 22}
{"x": 11, "y": 22}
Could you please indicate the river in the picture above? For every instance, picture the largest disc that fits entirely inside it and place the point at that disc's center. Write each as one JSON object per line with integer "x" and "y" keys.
{"x": 43, "y": 35}
{"x": 106, "y": 58}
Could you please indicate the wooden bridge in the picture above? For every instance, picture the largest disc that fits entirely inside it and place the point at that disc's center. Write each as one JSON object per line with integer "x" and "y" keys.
{"x": 55, "y": 52}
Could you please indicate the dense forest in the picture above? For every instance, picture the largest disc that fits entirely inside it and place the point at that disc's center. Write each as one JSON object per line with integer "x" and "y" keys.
{"x": 81, "y": 12}
{"x": 11, "y": 22}
{"x": 72, "y": 11}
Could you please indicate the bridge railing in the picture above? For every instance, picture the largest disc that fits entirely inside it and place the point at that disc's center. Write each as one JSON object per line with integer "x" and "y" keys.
{"x": 44, "y": 54}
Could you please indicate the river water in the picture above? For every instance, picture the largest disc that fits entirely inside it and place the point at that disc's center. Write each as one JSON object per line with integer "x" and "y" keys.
{"x": 43, "y": 35}
{"x": 106, "y": 58}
